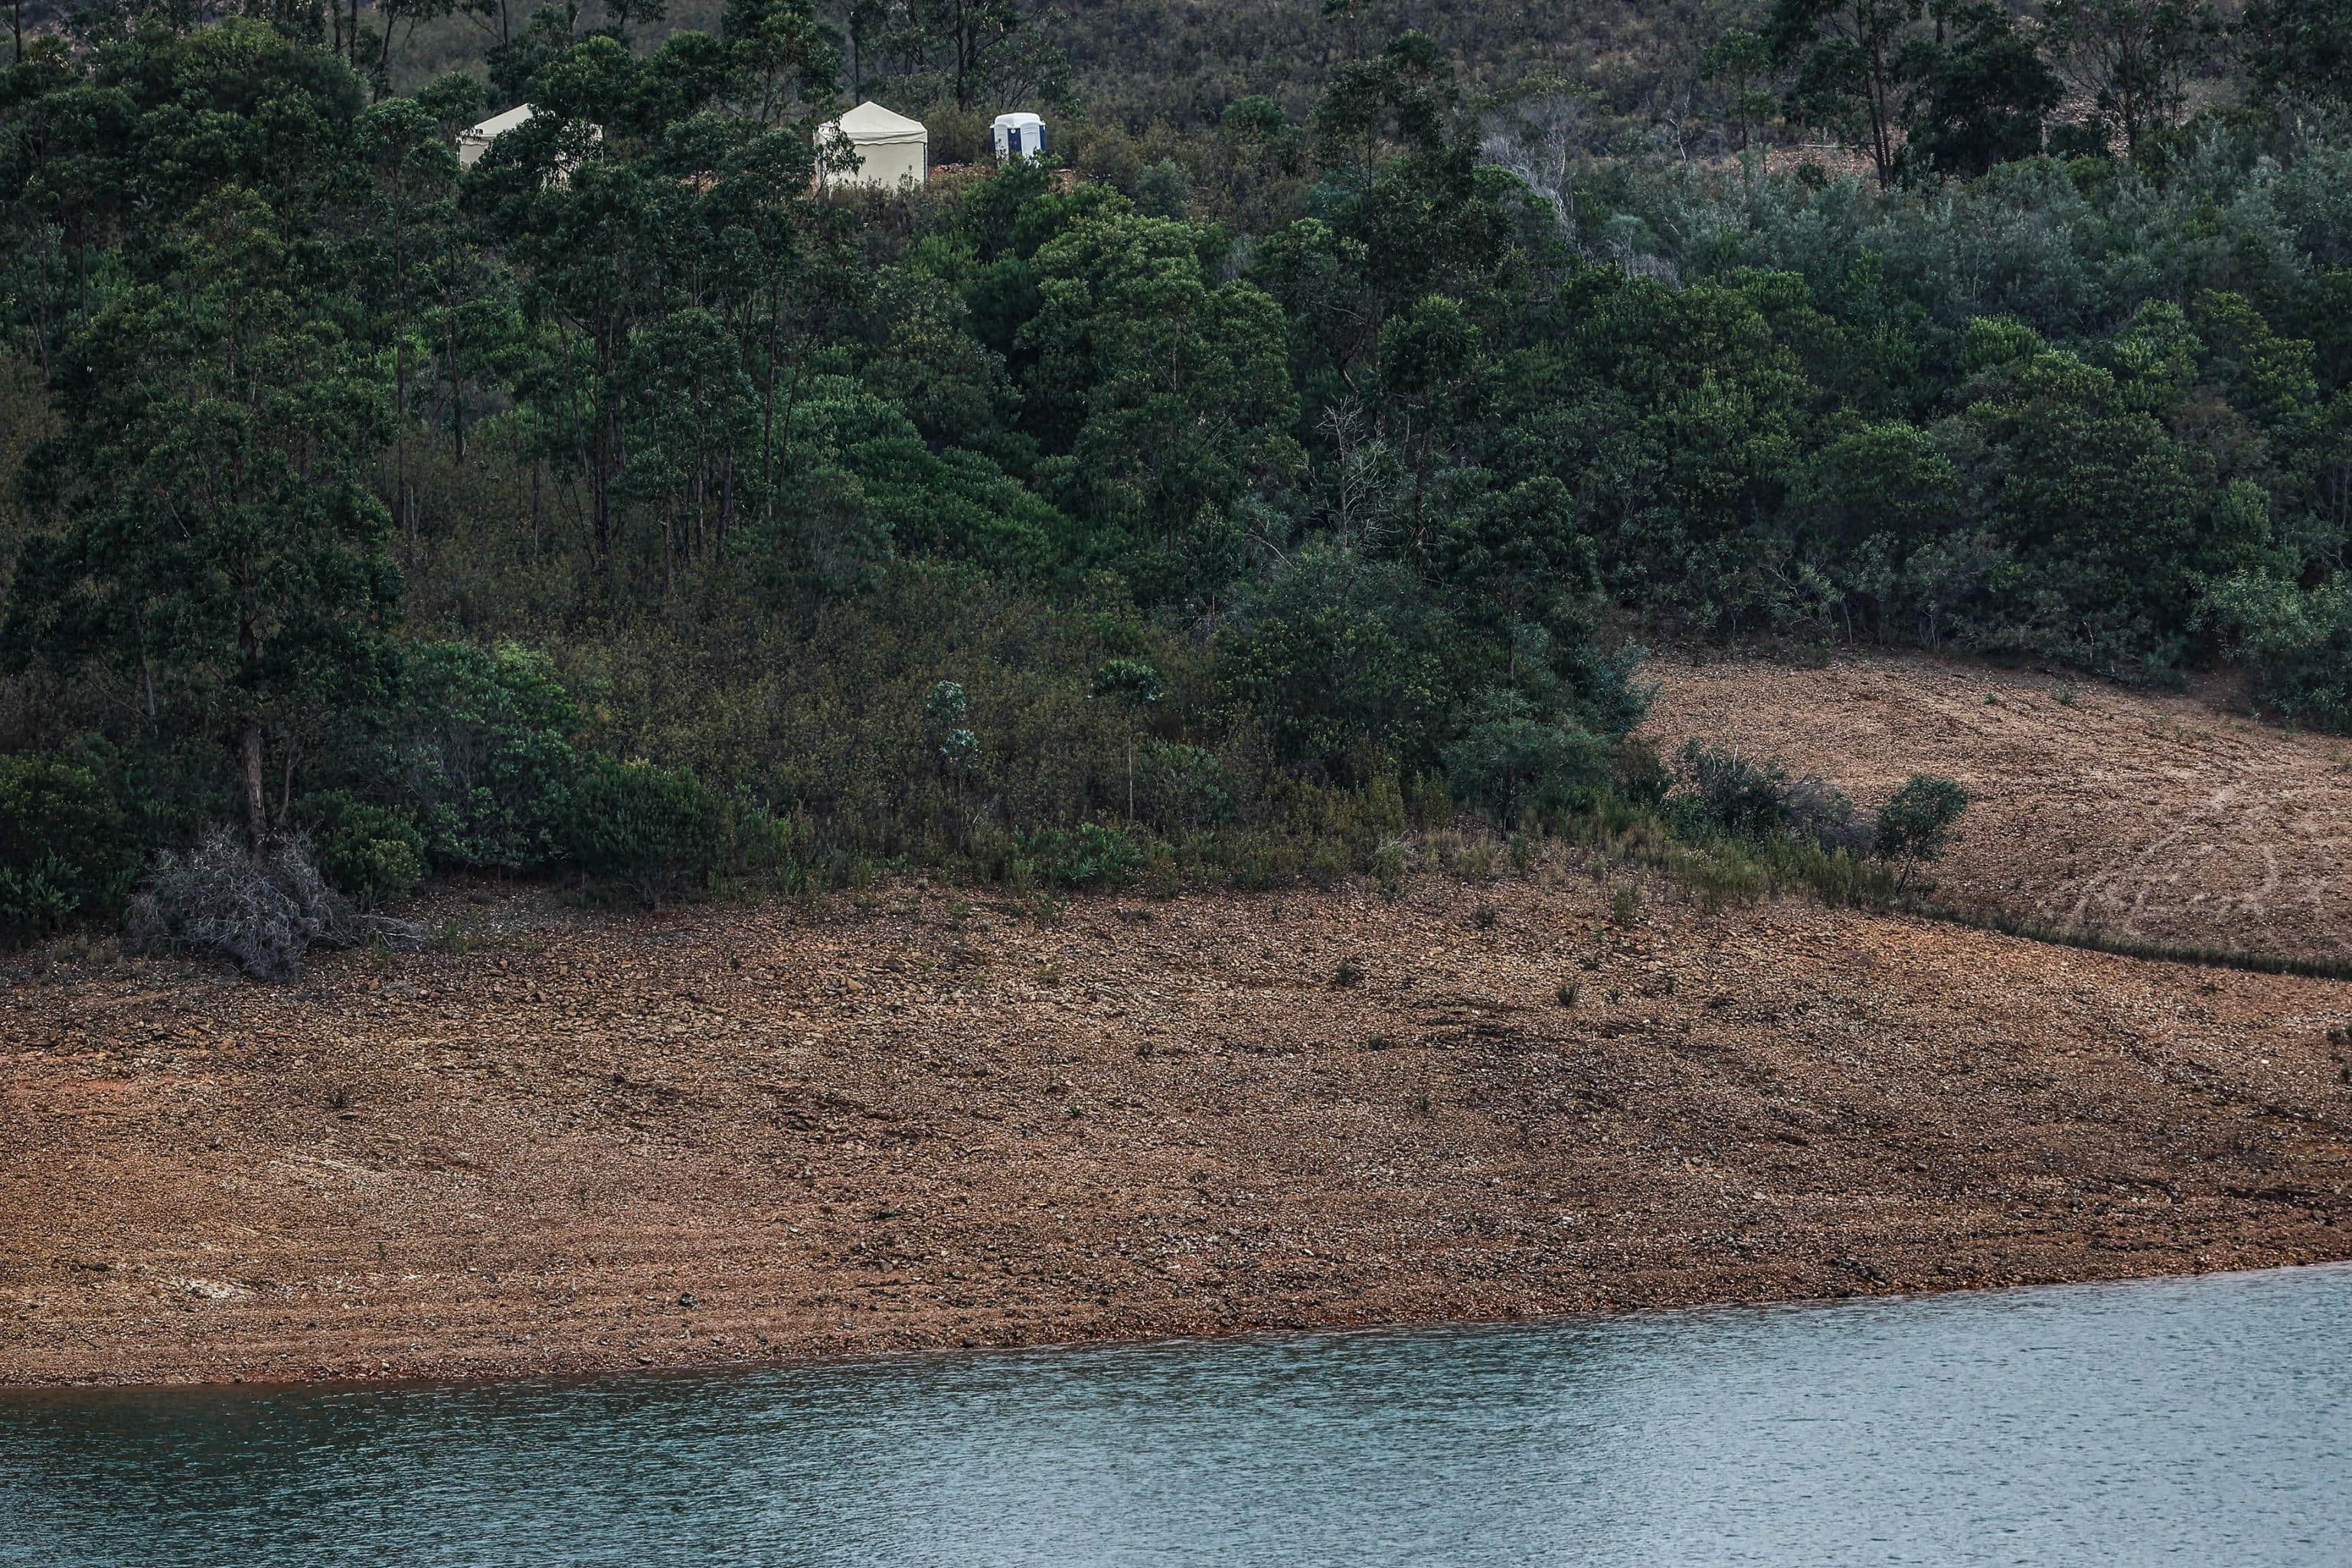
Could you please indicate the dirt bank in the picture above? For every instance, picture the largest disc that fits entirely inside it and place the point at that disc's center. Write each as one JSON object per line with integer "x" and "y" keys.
{"x": 736, "y": 1134}
{"x": 2163, "y": 818}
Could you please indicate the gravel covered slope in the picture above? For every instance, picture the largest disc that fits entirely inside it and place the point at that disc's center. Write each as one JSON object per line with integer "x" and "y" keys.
{"x": 2159, "y": 817}
{"x": 735, "y": 1133}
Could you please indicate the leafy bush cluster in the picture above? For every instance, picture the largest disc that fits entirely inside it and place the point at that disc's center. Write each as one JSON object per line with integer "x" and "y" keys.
{"x": 64, "y": 849}
{"x": 477, "y": 766}
{"x": 1720, "y": 794}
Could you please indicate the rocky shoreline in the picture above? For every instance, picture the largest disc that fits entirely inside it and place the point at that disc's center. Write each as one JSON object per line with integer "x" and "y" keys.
{"x": 745, "y": 1134}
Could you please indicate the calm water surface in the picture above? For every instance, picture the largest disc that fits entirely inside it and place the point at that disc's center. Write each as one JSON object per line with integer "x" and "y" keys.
{"x": 2204, "y": 1420}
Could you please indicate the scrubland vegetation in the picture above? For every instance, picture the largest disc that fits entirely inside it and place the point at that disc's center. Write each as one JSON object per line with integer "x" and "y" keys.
{"x": 1308, "y": 472}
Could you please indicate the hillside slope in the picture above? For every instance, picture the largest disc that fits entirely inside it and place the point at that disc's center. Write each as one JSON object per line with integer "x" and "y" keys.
{"x": 742, "y": 1133}
{"x": 2161, "y": 818}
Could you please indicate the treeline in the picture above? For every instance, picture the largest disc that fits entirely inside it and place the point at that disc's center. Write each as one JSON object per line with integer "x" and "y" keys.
{"x": 620, "y": 508}
{"x": 1911, "y": 85}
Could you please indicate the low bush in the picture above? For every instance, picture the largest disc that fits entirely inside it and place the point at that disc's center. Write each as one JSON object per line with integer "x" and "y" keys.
{"x": 660, "y": 832}
{"x": 264, "y": 913}
{"x": 1821, "y": 813}
{"x": 1721, "y": 793}
{"x": 1088, "y": 856}
{"x": 1915, "y": 824}
{"x": 66, "y": 852}
{"x": 372, "y": 854}
{"x": 2297, "y": 644}
{"x": 1181, "y": 787}
{"x": 1640, "y": 776}
{"x": 1717, "y": 790}
{"x": 481, "y": 752}
{"x": 1512, "y": 761}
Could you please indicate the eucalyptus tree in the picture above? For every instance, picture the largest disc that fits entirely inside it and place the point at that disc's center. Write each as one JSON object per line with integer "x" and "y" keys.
{"x": 2133, "y": 59}
{"x": 990, "y": 51}
{"x": 211, "y": 543}
{"x": 2299, "y": 47}
{"x": 398, "y": 249}
{"x": 1165, "y": 395}
{"x": 1854, "y": 65}
{"x": 1981, "y": 90}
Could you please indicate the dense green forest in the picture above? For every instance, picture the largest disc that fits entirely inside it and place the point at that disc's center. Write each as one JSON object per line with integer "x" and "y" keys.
{"x": 1291, "y": 472}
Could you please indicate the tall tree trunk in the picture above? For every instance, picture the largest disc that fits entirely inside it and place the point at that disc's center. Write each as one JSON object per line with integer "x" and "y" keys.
{"x": 248, "y": 735}
{"x": 726, "y": 504}
{"x": 256, "y": 804}
{"x": 405, "y": 511}
{"x": 286, "y": 782}
{"x": 963, "y": 31}
{"x": 1881, "y": 115}
{"x": 456, "y": 378}
{"x": 600, "y": 454}
{"x": 767, "y": 402}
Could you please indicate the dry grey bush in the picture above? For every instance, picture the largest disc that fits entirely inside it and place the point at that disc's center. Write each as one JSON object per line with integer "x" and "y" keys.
{"x": 1820, "y": 812}
{"x": 264, "y": 911}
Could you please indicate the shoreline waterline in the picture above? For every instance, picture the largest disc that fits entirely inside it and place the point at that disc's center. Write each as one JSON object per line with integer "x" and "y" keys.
{"x": 261, "y": 1388}
{"x": 2055, "y": 1424}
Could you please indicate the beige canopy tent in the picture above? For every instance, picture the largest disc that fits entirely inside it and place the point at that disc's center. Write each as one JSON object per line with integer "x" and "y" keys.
{"x": 472, "y": 144}
{"x": 892, "y": 150}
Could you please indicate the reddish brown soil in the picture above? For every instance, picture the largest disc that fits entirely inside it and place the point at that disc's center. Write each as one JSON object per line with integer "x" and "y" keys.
{"x": 735, "y": 1134}
{"x": 2165, "y": 819}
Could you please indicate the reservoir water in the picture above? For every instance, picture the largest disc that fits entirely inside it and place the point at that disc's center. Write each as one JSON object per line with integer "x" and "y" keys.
{"x": 2202, "y": 1421}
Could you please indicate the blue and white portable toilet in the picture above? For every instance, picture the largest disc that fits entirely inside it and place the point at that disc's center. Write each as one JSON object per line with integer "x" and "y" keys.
{"x": 1019, "y": 136}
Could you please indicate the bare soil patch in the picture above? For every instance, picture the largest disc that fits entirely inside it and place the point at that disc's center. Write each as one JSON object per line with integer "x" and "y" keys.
{"x": 741, "y": 1134}
{"x": 2154, "y": 817}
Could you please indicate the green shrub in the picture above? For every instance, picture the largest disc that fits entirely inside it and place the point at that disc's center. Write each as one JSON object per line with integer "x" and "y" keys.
{"x": 1428, "y": 805}
{"x": 372, "y": 854}
{"x": 1334, "y": 656}
{"x": 657, "y": 831}
{"x": 481, "y": 752}
{"x": 1511, "y": 759}
{"x": 1180, "y": 787}
{"x": 1724, "y": 793}
{"x": 1329, "y": 865}
{"x": 765, "y": 844}
{"x": 66, "y": 852}
{"x": 37, "y": 900}
{"x": 2297, "y": 644}
{"x": 1915, "y": 824}
{"x": 1090, "y": 856}
{"x": 1638, "y": 774}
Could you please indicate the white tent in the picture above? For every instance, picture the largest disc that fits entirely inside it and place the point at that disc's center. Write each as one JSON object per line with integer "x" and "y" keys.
{"x": 892, "y": 150}
{"x": 472, "y": 144}
{"x": 1019, "y": 136}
